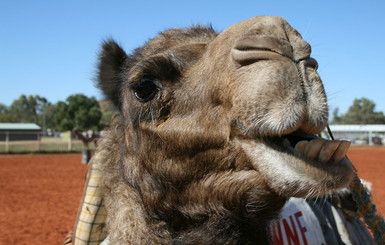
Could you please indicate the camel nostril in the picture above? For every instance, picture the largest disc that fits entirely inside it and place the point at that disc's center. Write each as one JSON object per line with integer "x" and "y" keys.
{"x": 310, "y": 62}
{"x": 247, "y": 57}
{"x": 252, "y": 48}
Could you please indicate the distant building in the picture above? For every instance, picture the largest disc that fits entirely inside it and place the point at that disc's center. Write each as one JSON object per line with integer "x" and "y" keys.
{"x": 360, "y": 134}
{"x": 19, "y": 131}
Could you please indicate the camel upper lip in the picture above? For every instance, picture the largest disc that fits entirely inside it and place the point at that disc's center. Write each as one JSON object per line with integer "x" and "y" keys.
{"x": 287, "y": 142}
{"x": 298, "y": 136}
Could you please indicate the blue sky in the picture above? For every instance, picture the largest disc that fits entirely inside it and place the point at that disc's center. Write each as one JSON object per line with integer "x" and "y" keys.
{"x": 50, "y": 47}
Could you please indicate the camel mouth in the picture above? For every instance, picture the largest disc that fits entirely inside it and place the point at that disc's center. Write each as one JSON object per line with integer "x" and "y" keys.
{"x": 289, "y": 141}
{"x": 309, "y": 147}
{"x": 298, "y": 136}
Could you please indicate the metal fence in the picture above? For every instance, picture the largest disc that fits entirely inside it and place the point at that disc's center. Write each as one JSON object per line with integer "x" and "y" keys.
{"x": 16, "y": 142}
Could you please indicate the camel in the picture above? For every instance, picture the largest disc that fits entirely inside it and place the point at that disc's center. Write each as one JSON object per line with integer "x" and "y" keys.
{"x": 214, "y": 133}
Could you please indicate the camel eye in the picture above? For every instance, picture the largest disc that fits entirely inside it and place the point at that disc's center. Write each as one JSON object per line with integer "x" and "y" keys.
{"x": 145, "y": 91}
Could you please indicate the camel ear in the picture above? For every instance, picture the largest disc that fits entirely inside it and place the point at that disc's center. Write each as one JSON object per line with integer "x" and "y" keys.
{"x": 110, "y": 78}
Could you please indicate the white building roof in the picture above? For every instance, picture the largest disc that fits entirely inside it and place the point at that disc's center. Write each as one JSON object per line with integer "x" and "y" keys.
{"x": 358, "y": 128}
{"x": 19, "y": 126}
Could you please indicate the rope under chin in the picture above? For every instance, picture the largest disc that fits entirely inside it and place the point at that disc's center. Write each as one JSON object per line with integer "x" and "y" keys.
{"x": 366, "y": 208}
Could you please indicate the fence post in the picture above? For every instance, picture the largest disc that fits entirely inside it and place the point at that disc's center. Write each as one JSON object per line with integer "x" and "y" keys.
{"x": 370, "y": 138}
{"x": 69, "y": 143}
{"x": 38, "y": 141}
{"x": 7, "y": 142}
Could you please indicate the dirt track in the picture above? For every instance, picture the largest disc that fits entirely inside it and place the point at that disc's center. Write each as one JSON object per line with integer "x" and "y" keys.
{"x": 40, "y": 193}
{"x": 39, "y": 197}
{"x": 370, "y": 164}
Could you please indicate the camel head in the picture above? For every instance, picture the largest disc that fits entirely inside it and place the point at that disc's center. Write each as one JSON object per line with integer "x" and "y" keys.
{"x": 218, "y": 128}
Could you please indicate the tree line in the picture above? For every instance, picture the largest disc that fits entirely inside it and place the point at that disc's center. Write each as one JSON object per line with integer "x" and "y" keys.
{"x": 76, "y": 112}
{"x": 83, "y": 113}
{"x": 362, "y": 111}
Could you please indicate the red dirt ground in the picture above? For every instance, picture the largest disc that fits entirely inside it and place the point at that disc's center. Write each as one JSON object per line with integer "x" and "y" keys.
{"x": 39, "y": 196}
{"x": 40, "y": 193}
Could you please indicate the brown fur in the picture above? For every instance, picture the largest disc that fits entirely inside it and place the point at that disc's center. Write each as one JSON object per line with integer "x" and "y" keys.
{"x": 202, "y": 160}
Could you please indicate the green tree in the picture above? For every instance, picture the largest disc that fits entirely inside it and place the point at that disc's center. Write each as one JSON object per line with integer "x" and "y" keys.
{"x": 28, "y": 109}
{"x": 60, "y": 117}
{"x": 4, "y": 114}
{"x": 79, "y": 111}
{"x": 361, "y": 112}
{"x": 48, "y": 117}
{"x": 3, "y": 108}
